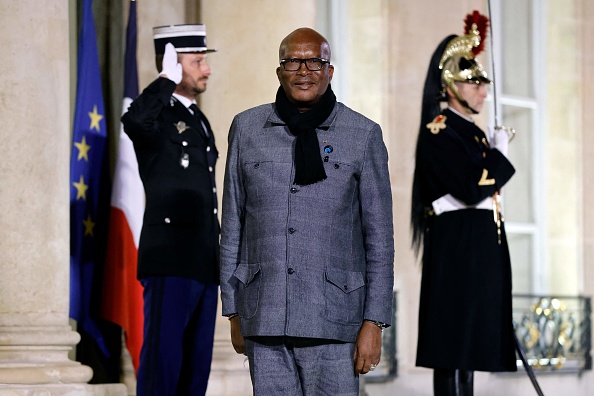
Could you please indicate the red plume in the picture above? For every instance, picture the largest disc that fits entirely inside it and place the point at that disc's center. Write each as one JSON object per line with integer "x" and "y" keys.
{"x": 482, "y": 23}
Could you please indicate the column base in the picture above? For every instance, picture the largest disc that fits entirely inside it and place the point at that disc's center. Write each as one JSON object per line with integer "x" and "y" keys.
{"x": 64, "y": 390}
{"x": 39, "y": 355}
{"x": 45, "y": 374}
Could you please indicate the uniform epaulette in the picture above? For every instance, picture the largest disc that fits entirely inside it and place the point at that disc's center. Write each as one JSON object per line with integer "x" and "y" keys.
{"x": 437, "y": 124}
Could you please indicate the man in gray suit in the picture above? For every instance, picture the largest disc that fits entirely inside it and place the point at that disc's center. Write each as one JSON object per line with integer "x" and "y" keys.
{"x": 307, "y": 244}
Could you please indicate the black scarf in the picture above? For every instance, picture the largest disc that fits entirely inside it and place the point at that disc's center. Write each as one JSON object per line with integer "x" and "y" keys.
{"x": 309, "y": 168}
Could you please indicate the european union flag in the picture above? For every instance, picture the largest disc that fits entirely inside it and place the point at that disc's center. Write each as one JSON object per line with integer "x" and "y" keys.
{"x": 89, "y": 188}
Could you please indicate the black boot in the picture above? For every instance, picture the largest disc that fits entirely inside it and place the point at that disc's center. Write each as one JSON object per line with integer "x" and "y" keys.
{"x": 466, "y": 382}
{"x": 445, "y": 382}
{"x": 451, "y": 382}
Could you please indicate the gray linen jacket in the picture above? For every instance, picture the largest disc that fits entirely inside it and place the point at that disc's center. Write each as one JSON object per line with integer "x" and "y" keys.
{"x": 306, "y": 261}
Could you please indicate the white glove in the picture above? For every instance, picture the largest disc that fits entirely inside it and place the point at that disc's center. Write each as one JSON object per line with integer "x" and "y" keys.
{"x": 171, "y": 68}
{"x": 499, "y": 139}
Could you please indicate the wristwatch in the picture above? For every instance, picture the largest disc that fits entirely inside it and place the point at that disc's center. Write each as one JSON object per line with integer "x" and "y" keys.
{"x": 381, "y": 325}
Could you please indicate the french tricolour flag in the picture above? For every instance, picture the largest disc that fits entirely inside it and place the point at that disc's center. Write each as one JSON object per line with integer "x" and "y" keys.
{"x": 122, "y": 292}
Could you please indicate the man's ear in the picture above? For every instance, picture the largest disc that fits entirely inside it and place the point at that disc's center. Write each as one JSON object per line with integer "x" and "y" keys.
{"x": 330, "y": 72}
{"x": 449, "y": 92}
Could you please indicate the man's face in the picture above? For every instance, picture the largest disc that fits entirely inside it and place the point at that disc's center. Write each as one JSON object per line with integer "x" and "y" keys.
{"x": 194, "y": 75}
{"x": 304, "y": 88}
{"x": 474, "y": 94}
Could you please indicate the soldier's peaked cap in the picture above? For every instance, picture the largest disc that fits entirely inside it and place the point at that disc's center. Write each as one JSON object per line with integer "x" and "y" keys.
{"x": 185, "y": 38}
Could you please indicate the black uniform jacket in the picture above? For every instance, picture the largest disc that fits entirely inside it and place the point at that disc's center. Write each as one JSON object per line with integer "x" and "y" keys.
{"x": 176, "y": 160}
{"x": 465, "y": 314}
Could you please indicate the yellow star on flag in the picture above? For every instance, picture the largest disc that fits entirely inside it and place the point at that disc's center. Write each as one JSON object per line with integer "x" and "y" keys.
{"x": 81, "y": 188}
{"x": 83, "y": 149}
{"x": 88, "y": 223}
{"x": 95, "y": 118}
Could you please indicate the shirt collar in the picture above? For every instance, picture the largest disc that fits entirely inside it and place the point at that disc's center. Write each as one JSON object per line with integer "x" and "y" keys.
{"x": 183, "y": 100}
{"x": 458, "y": 113}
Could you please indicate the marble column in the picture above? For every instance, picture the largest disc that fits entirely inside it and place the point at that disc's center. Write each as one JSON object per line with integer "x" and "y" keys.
{"x": 35, "y": 335}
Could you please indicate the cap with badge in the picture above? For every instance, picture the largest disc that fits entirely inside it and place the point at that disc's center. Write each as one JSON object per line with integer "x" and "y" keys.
{"x": 185, "y": 38}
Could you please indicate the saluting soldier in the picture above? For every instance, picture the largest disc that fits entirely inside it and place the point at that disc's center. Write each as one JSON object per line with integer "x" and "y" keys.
{"x": 465, "y": 314}
{"x": 179, "y": 241}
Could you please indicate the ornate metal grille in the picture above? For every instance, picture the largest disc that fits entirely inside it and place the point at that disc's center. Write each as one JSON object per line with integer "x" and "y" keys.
{"x": 555, "y": 331}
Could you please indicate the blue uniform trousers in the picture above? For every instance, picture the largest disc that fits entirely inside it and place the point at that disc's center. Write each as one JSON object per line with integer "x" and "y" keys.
{"x": 179, "y": 321}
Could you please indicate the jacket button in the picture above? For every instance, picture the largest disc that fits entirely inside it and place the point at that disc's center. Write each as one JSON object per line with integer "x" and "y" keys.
{"x": 336, "y": 166}
{"x": 207, "y": 149}
{"x": 291, "y": 271}
{"x": 184, "y": 143}
{"x": 292, "y": 230}
{"x": 210, "y": 168}
{"x": 167, "y": 220}
{"x": 346, "y": 287}
{"x": 256, "y": 166}
{"x": 294, "y": 190}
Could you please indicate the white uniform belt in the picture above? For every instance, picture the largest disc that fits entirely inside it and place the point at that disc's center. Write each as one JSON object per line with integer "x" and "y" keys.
{"x": 448, "y": 203}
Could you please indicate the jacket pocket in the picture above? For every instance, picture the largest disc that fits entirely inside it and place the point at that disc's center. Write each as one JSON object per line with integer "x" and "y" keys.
{"x": 248, "y": 289}
{"x": 345, "y": 296}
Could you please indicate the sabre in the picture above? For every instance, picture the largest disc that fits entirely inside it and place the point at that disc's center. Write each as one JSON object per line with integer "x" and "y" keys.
{"x": 527, "y": 366}
{"x": 511, "y": 132}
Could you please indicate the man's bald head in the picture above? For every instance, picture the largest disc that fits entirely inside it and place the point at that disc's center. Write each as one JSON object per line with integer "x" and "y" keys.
{"x": 304, "y": 36}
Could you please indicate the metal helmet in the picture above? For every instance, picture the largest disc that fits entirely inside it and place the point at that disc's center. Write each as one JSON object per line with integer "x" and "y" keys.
{"x": 458, "y": 61}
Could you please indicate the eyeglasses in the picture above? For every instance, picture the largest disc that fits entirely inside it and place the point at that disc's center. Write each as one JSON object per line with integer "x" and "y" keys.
{"x": 312, "y": 64}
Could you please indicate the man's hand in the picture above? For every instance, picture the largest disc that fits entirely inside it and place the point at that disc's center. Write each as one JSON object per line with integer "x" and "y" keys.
{"x": 236, "y": 338}
{"x": 368, "y": 348}
{"x": 171, "y": 68}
